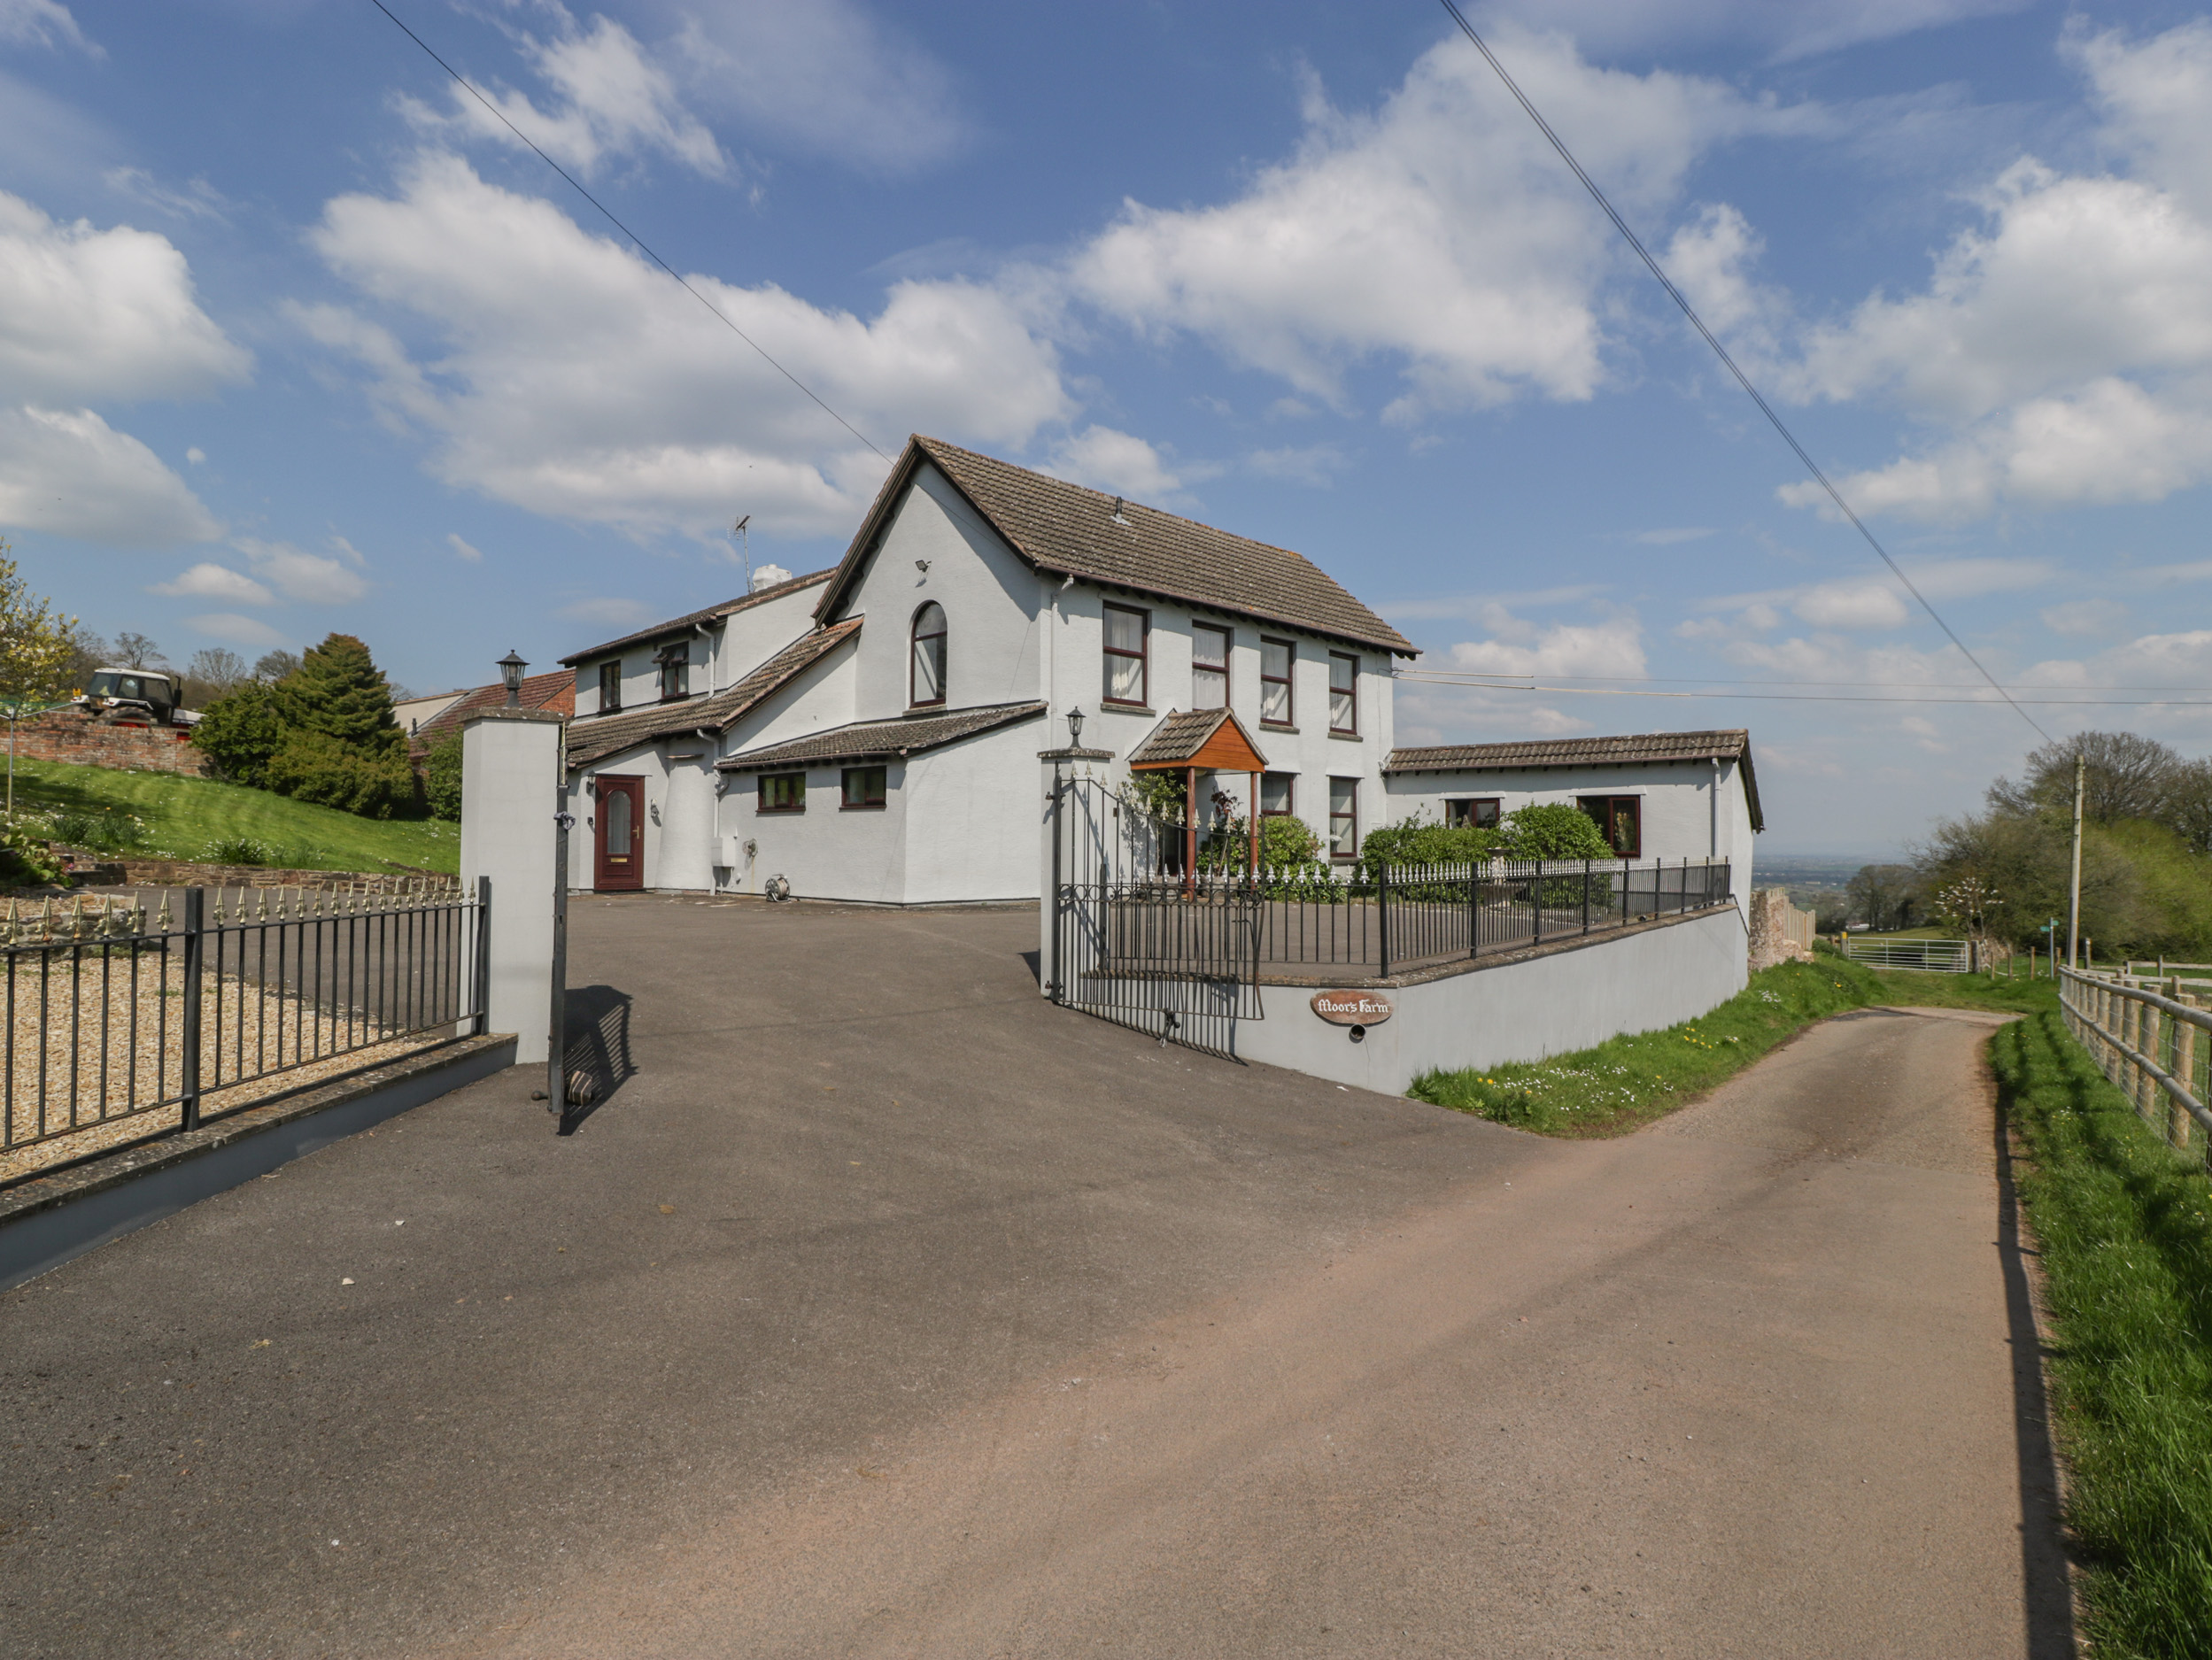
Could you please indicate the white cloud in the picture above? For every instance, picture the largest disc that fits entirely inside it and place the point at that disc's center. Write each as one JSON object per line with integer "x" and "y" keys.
{"x": 2085, "y": 616}
{"x": 573, "y": 379}
{"x": 197, "y": 200}
{"x": 1439, "y": 234}
{"x": 2062, "y": 351}
{"x": 463, "y": 550}
{"x": 239, "y": 630}
{"x": 826, "y": 76}
{"x": 88, "y": 314}
{"x": 196, "y": 455}
{"x": 1926, "y": 732}
{"x": 68, "y": 472}
{"x": 298, "y": 574}
{"x": 1668, "y": 538}
{"x": 42, "y": 23}
{"x": 1851, "y": 605}
{"x": 1797, "y": 30}
{"x": 1613, "y": 648}
{"x": 1105, "y": 459}
{"x": 614, "y": 102}
{"x": 1316, "y": 464}
{"x": 216, "y": 582}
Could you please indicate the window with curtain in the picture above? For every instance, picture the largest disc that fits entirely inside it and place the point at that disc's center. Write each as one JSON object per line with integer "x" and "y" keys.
{"x": 676, "y": 671}
{"x": 1208, "y": 666}
{"x": 1276, "y": 658}
{"x": 783, "y": 792}
{"x": 863, "y": 786}
{"x": 1128, "y": 643}
{"x": 925, "y": 683}
{"x": 1343, "y": 693}
{"x": 1343, "y": 817}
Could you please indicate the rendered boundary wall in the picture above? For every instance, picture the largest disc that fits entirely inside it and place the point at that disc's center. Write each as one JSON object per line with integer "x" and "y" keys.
{"x": 1522, "y": 1008}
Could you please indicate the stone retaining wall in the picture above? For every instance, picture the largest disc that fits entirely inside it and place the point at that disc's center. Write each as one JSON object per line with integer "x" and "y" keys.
{"x": 68, "y": 735}
{"x": 182, "y": 873}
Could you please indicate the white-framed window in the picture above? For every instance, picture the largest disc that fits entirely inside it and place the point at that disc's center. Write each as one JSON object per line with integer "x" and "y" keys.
{"x": 1128, "y": 656}
{"x": 1209, "y": 666}
{"x": 1277, "y": 660}
{"x": 1344, "y": 693}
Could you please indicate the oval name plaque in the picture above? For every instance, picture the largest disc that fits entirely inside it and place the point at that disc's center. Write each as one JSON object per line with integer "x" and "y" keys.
{"x": 1352, "y": 1009}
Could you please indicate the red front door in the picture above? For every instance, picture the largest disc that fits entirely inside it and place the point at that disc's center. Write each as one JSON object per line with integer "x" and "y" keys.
{"x": 618, "y": 840}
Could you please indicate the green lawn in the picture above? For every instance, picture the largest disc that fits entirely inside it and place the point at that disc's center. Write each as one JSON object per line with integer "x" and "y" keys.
{"x": 2126, "y": 1230}
{"x": 1629, "y": 1081}
{"x": 155, "y": 816}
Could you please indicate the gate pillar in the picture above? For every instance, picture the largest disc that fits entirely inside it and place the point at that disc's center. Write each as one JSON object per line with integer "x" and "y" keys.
{"x": 513, "y": 785}
{"x": 1071, "y": 843}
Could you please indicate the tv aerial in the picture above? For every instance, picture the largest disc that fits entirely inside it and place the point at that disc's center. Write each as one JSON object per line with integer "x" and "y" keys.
{"x": 743, "y": 538}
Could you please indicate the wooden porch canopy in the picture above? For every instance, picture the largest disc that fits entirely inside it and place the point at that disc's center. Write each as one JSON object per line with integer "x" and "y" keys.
{"x": 1204, "y": 740}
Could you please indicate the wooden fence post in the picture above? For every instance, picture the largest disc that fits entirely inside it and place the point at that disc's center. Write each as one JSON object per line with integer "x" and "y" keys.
{"x": 2147, "y": 1040}
{"x": 2185, "y": 1069}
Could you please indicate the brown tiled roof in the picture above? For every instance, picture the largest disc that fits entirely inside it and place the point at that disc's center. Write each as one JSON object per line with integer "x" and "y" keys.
{"x": 596, "y": 737}
{"x": 1182, "y": 738}
{"x": 884, "y": 740}
{"x": 727, "y": 608}
{"x": 1065, "y": 529}
{"x": 1643, "y": 747}
{"x": 555, "y": 690}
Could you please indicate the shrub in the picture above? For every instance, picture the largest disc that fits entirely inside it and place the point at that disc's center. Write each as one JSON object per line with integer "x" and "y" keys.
{"x": 1554, "y": 830}
{"x": 315, "y": 767}
{"x": 240, "y": 850}
{"x": 1285, "y": 840}
{"x": 441, "y": 777}
{"x": 239, "y": 731}
{"x": 26, "y": 860}
{"x": 98, "y": 832}
{"x": 1416, "y": 841}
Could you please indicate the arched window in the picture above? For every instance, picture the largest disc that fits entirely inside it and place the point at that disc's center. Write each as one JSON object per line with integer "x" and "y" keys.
{"x": 926, "y": 679}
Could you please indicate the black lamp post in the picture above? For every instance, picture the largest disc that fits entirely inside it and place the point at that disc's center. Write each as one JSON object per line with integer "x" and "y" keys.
{"x": 1075, "y": 729}
{"x": 511, "y": 667}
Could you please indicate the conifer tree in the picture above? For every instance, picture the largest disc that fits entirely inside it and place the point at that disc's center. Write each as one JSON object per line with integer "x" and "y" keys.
{"x": 339, "y": 691}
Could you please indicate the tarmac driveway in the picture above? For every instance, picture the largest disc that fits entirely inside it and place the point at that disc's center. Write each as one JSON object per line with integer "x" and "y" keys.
{"x": 886, "y": 1309}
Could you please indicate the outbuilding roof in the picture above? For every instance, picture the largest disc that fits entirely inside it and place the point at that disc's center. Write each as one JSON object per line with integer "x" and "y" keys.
{"x": 727, "y": 608}
{"x": 1066, "y": 530}
{"x": 556, "y": 689}
{"x": 1210, "y": 738}
{"x": 883, "y": 740}
{"x": 1644, "y": 748}
{"x": 596, "y": 737}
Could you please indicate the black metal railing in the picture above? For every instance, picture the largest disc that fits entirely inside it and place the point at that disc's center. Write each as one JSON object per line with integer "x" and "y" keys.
{"x": 115, "y": 1016}
{"x": 1388, "y": 920}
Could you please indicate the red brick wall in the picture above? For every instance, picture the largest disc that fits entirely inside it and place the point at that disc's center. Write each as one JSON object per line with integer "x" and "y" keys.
{"x": 68, "y": 736}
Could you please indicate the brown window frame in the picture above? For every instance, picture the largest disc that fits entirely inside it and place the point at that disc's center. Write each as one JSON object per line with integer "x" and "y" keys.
{"x": 868, "y": 804}
{"x": 1467, "y": 810}
{"x": 1287, "y": 680}
{"x": 915, "y": 636}
{"x": 1351, "y": 693}
{"x": 1290, "y": 782}
{"x": 675, "y": 662}
{"x": 1605, "y": 809}
{"x": 1227, "y": 637}
{"x": 760, "y": 788}
{"x": 611, "y": 687}
{"x": 1352, "y": 817}
{"x": 1108, "y": 652}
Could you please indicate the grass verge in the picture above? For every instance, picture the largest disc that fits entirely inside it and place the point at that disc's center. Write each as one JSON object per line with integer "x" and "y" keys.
{"x": 1629, "y": 1081}
{"x": 158, "y": 815}
{"x": 2125, "y": 1229}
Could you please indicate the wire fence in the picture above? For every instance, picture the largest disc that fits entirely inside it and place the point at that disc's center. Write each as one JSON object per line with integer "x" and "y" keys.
{"x": 2155, "y": 1045}
{"x": 122, "y": 1025}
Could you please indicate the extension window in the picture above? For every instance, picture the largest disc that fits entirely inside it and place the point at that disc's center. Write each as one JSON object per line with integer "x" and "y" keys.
{"x": 1620, "y": 819}
{"x": 863, "y": 787}
{"x": 1473, "y": 813}
{"x": 783, "y": 792}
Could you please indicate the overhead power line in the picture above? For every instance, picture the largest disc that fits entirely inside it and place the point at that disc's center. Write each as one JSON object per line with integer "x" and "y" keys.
{"x": 1721, "y": 352}
{"x": 498, "y": 115}
{"x": 1433, "y": 678}
{"x": 1481, "y": 676}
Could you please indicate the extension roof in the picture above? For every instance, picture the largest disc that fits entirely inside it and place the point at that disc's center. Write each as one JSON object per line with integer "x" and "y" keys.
{"x": 678, "y": 625}
{"x": 596, "y": 737}
{"x": 1213, "y": 739}
{"x": 1066, "y": 530}
{"x": 883, "y": 740}
{"x": 1640, "y": 750}
{"x": 555, "y": 690}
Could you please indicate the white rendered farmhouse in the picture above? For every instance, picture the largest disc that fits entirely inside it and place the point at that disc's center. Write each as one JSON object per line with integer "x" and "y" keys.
{"x": 871, "y": 733}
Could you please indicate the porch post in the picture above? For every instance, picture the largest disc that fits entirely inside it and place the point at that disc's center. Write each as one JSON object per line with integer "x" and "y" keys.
{"x": 1190, "y": 829}
{"x": 1254, "y": 810}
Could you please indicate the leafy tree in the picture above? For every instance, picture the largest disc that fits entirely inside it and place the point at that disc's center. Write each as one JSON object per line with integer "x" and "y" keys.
{"x": 274, "y": 665}
{"x": 338, "y": 691}
{"x": 441, "y": 778}
{"x": 1888, "y": 896}
{"x": 35, "y": 655}
{"x": 1554, "y": 829}
{"x": 135, "y": 651}
{"x": 2125, "y": 778}
{"x": 240, "y": 730}
{"x": 215, "y": 671}
{"x": 2189, "y": 805}
{"x": 88, "y": 653}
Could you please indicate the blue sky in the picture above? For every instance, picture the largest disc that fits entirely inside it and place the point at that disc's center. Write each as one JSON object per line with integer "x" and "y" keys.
{"x": 292, "y": 339}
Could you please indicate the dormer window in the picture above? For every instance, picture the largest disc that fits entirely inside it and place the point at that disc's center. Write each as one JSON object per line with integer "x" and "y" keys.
{"x": 676, "y": 671}
{"x": 926, "y": 677}
{"x": 611, "y": 687}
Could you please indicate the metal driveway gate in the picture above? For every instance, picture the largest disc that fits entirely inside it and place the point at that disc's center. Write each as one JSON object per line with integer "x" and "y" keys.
{"x": 1175, "y": 956}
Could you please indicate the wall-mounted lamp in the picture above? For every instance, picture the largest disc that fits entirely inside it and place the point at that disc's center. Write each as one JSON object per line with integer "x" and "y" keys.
{"x": 511, "y": 667}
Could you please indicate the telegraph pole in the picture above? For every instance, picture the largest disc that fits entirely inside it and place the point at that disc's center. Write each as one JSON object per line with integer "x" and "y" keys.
{"x": 2073, "y": 889}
